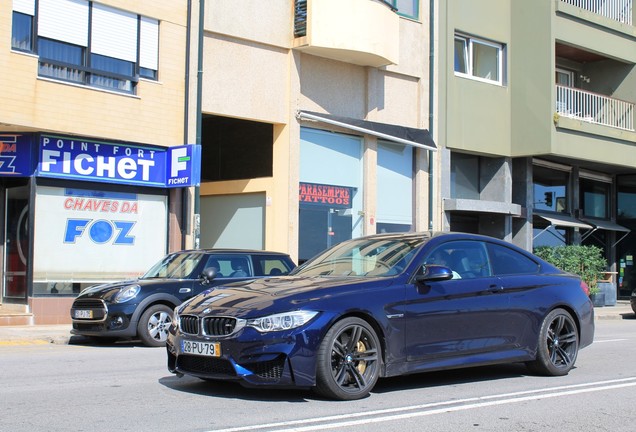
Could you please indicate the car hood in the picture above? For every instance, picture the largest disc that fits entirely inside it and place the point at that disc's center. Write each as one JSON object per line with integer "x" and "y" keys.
{"x": 109, "y": 290}
{"x": 253, "y": 298}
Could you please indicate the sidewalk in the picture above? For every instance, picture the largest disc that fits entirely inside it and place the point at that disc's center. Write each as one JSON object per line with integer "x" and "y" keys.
{"x": 61, "y": 334}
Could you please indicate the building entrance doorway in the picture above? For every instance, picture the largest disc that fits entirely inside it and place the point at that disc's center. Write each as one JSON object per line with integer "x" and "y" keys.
{"x": 16, "y": 244}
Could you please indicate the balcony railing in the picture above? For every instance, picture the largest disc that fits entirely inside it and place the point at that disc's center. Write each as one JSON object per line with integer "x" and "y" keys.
{"x": 594, "y": 108}
{"x": 617, "y": 10}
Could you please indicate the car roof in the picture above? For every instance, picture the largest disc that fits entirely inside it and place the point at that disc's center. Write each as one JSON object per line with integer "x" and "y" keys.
{"x": 229, "y": 251}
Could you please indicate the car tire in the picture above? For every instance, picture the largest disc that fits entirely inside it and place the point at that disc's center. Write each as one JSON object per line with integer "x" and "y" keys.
{"x": 558, "y": 345}
{"x": 349, "y": 360}
{"x": 153, "y": 325}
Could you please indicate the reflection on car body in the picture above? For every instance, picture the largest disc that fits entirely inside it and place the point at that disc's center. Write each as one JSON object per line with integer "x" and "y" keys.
{"x": 143, "y": 307}
{"x": 377, "y": 307}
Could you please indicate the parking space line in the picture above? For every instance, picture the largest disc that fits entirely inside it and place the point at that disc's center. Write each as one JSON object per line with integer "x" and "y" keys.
{"x": 344, "y": 420}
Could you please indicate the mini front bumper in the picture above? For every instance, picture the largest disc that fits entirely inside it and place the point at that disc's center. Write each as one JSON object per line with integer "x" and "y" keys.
{"x": 117, "y": 321}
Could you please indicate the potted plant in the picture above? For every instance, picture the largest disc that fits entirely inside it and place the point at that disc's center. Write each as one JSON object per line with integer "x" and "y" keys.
{"x": 585, "y": 261}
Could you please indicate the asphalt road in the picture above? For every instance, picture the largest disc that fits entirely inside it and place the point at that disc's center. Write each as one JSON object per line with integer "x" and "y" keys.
{"x": 126, "y": 387}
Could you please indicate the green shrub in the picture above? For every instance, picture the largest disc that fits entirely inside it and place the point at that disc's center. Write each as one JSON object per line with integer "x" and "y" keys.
{"x": 585, "y": 261}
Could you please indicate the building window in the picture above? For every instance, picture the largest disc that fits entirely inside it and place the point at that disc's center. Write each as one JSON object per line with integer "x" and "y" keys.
{"x": 408, "y": 8}
{"x": 61, "y": 60}
{"x": 550, "y": 187}
{"x": 479, "y": 59}
{"x": 394, "y": 212}
{"x": 22, "y": 32}
{"x": 465, "y": 176}
{"x": 330, "y": 190}
{"x": 594, "y": 198}
{"x": 88, "y": 43}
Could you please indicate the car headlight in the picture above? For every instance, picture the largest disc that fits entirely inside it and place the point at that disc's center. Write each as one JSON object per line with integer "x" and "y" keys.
{"x": 128, "y": 293}
{"x": 282, "y": 321}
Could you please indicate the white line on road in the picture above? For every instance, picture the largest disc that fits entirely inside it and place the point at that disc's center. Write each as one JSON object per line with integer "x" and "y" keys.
{"x": 399, "y": 413}
{"x": 610, "y": 340}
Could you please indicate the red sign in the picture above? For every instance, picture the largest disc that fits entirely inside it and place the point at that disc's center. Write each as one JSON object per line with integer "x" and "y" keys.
{"x": 325, "y": 195}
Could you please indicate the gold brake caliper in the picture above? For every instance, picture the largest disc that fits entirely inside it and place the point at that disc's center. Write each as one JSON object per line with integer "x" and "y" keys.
{"x": 362, "y": 365}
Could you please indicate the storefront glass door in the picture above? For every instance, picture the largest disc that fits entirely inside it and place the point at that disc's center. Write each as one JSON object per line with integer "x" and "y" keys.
{"x": 16, "y": 247}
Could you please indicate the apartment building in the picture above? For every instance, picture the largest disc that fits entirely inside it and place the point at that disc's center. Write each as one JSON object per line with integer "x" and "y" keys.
{"x": 315, "y": 117}
{"x": 92, "y": 154}
{"x": 314, "y": 121}
{"x": 536, "y": 121}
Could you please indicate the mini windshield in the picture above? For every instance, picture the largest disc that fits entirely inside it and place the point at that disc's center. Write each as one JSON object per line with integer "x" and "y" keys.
{"x": 383, "y": 256}
{"x": 175, "y": 266}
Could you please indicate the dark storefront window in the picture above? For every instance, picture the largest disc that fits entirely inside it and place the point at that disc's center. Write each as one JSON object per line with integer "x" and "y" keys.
{"x": 465, "y": 176}
{"x": 594, "y": 198}
{"x": 234, "y": 149}
{"x": 626, "y": 248}
{"x": 330, "y": 190}
{"x": 550, "y": 189}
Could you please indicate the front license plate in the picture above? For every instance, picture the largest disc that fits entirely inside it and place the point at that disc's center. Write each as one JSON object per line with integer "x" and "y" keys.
{"x": 208, "y": 349}
{"x": 81, "y": 313}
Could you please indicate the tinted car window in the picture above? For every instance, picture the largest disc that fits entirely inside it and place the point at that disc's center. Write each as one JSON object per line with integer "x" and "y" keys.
{"x": 468, "y": 259}
{"x": 506, "y": 261}
{"x": 231, "y": 265}
{"x": 175, "y": 266}
{"x": 270, "y": 265}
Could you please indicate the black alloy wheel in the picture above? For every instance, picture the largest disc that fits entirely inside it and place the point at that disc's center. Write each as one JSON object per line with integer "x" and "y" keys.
{"x": 558, "y": 345}
{"x": 349, "y": 360}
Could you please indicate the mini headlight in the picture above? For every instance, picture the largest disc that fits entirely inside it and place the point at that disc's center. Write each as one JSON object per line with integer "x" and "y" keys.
{"x": 127, "y": 293}
{"x": 282, "y": 321}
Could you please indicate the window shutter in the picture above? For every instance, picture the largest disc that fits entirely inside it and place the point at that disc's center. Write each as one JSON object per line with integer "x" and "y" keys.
{"x": 149, "y": 43}
{"x": 64, "y": 20}
{"x": 114, "y": 33}
{"x": 24, "y": 6}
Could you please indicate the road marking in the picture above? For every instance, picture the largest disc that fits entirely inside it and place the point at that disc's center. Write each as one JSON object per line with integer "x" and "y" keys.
{"x": 610, "y": 340}
{"x": 399, "y": 413}
{"x": 24, "y": 342}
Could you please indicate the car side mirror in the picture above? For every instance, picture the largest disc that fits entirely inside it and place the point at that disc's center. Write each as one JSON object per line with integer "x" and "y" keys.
{"x": 434, "y": 273}
{"x": 208, "y": 274}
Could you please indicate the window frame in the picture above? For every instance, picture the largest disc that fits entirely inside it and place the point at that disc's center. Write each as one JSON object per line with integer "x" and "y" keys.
{"x": 414, "y": 3}
{"x": 31, "y": 32}
{"x": 468, "y": 51}
{"x": 85, "y": 74}
{"x": 495, "y": 262}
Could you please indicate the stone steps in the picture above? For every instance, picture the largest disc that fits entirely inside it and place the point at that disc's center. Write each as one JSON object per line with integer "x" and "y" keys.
{"x": 15, "y": 315}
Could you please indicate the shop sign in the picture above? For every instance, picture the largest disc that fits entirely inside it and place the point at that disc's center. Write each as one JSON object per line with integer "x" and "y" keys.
{"x": 330, "y": 196}
{"x": 96, "y": 234}
{"x": 16, "y": 155}
{"x": 123, "y": 163}
{"x": 184, "y": 166}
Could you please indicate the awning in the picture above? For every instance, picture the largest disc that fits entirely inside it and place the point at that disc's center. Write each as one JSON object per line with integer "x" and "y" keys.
{"x": 560, "y": 220}
{"x": 563, "y": 220}
{"x": 420, "y": 138}
{"x": 607, "y": 226}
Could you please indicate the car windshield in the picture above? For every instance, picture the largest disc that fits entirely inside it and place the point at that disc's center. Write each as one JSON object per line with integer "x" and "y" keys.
{"x": 364, "y": 257}
{"x": 175, "y": 266}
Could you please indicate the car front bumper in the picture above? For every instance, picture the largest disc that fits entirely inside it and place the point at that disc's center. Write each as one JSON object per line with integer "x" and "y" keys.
{"x": 281, "y": 359}
{"x": 109, "y": 320}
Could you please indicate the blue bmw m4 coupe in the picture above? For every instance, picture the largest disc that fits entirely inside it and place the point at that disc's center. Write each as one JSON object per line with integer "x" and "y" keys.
{"x": 382, "y": 306}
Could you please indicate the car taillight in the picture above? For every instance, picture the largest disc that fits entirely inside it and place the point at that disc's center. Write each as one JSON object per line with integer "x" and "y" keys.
{"x": 585, "y": 288}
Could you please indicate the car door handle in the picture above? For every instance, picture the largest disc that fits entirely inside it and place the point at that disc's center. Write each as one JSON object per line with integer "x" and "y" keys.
{"x": 496, "y": 288}
{"x": 184, "y": 290}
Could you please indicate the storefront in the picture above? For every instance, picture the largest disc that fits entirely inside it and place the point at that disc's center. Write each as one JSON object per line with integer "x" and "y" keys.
{"x": 357, "y": 183}
{"x": 78, "y": 211}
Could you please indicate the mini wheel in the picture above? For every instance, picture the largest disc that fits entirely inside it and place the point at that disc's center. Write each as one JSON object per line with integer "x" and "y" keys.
{"x": 153, "y": 325}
